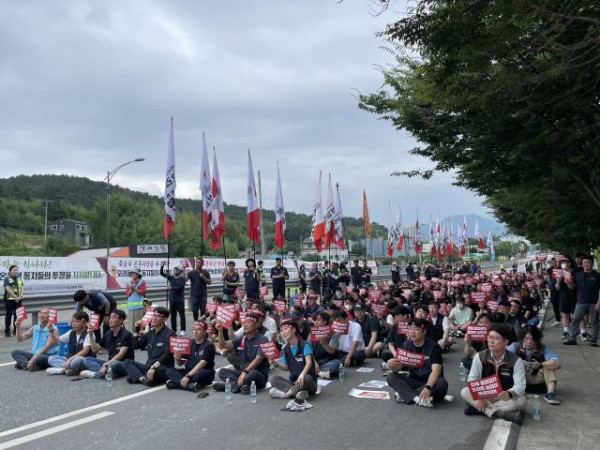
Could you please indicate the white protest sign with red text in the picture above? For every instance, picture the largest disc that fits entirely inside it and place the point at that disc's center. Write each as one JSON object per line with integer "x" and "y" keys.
{"x": 316, "y": 333}
{"x": 21, "y": 313}
{"x": 52, "y": 315}
{"x": 339, "y": 327}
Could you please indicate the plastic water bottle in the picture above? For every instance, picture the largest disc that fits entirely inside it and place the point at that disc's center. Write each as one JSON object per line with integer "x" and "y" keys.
{"x": 537, "y": 415}
{"x": 109, "y": 376}
{"x": 462, "y": 372}
{"x": 227, "y": 389}
{"x": 341, "y": 373}
{"x": 253, "y": 392}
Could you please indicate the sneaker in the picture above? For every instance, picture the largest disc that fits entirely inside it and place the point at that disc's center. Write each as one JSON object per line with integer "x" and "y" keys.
{"x": 194, "y": 387}
{"x": 584, "y": 336}
{"x": 471, "y": 410}
{"x": 276, "y": 393}
{"x": 245, "y": 389}
{"x": 570, "y": 342}
{"x": 7, "y": 334}
{"x": 87, "y": 374}
{"x": 143, "y": 380}
{"x": 182, "y": 333}
{"x": 384, "y": 366}
{"x": 565, "y": 335}
{"x": 398, "y": 398}
{"x": 170, "y": 384}
{"x": 219, "y": 387}
{"x": 70, "y": 372}
{"x": 302, "y": 395}
{"x": 55, "y": 371}
{"x": 307, "y": 405}
{"x": 511, "y": 416}
{"x": 556, "y": 324}
{"x": 325, "y": 374}
{"x": 550, "y": 397}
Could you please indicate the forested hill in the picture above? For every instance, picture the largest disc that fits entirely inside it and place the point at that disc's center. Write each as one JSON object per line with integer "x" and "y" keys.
{"x": 136, "y": 217}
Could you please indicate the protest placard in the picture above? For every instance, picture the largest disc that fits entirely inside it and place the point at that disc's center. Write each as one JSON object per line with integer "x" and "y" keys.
{"x": 484, "y": 388}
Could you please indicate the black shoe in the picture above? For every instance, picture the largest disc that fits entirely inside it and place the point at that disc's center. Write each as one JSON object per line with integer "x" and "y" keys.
{"x": 143, "y": 380}
{"x": 471, "y": 410}
{"x": 245, "y": 389}
{"x": 593, "y": 344}
{"x": 194, "y": 387}
{"x": 219, "y": 387}
{"x": 170, "y": 384}
{"x": 570, "y": 342}
{"x": 7, "y": 334}
{"x": 511, "y": 416}
{"x": 18, "y": 367}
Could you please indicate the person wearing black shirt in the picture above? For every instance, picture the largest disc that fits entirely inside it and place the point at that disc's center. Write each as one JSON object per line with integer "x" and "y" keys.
{"x": 199, "y": 369}
{"x": 370, "y": 330}
{"x": 231, "y": 281}
{"x": 199, "y": 279}
{"x": 325, "y": 277}
{"x": 118, "y": 342}
{"x": 395, "y": 270}
{"x": 176, "y": 288}
{"x": 101, "y": 303}
{"x": 314, "y": 278}
{"x": 356, "y": 272}
{"x": 367, "y": 273}
{"x": 334, "y": 277}
{"x": 278, "y": 276}
{"x": 251, "y": 280}
{"x": 588, "y": 301}
{"x": 425, "y": 384}
{"x": 154, "y": 371}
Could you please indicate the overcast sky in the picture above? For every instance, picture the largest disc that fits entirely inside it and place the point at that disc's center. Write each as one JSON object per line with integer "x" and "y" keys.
{"x": 87, "y": 85}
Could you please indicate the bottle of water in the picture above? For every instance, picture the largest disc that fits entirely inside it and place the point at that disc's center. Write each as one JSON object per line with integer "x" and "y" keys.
{"x": 462, "y": 372}
{"x": 227, "y": 389}
{"x": 108, "y": 377}
{"x": 253, "y": 392}
{"x": 341, "y": 373}
{"x": 536, "y": 408}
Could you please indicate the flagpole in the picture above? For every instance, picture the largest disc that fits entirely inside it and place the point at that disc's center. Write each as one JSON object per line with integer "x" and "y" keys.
{"x": 337, "y": 187}
{"x": 168, "y": 266}
{"x": 224, "y": 251}
{"x": 201, "y": 229}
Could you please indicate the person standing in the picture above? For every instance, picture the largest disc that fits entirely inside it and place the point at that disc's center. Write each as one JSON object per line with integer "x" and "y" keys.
{"x": 395, "y": 270}
{"x": 176, "y": 288}
{"x": 199, "y": 280}
{"x": 231, "y": 281}
{"x": 356, "y": 272}
{"x": 314, "y": 279}
{"x": 588, "y": 301}
{"x": 13, "y": 296}
{"x": 278, "y": 276}
{"x": 135, "y": 291}
{"x": 101, "y": 303}
{"x": 251, "y": 280}
{"x": 42, "y": 346}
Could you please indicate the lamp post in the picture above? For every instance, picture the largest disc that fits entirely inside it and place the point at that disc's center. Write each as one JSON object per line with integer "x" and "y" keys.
{"x": 109, "y": 175}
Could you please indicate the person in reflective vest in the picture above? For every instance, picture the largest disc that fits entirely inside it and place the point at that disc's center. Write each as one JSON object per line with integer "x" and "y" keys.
{"x": 13, "y": 295}
{"x": 78, "y": 344}
{"x": 135, "y": 291}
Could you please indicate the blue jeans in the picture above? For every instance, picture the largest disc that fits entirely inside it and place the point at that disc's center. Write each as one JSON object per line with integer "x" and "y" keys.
{"x": 94, "y": 364}
{"x": 533, "y": 321}
{"x": 333, "y": 367}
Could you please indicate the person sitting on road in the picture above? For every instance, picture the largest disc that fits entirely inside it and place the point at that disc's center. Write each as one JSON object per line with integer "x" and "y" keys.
{"x": 422, "y": 385}
{"x": 441, "y": 327}
{"x": 298, "y": 315}
{"x": 42, "y": 345}
{"x": 311, "y": 306}
{"x": 199, "y": 369}
{"x": 370, "y": 331}
{"x": 154, "y": 370}
{"x": 118, "y": 342}
{"x": 473, "y": 347}
{"x": 325, "y": 350}
{"x": 515, "y": 317}
{"x": 234, "y": 357}
{"x": 253, "y": 365}
{"x": 511, "y": 371}
{"x": 297, "y": 358}
{"x": 395, "y": 339}
{"x": 541, "y": 363}
{"x": 352, "y": 345}
{"x": 78, "y": 345}
{"x": 460, "y": 317}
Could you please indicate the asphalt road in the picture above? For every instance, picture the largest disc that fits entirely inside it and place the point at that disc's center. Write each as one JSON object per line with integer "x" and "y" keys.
{"x": 158, "y": 418}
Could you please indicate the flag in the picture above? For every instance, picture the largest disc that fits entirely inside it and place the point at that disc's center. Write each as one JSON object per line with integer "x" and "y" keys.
{"x": 478, "y": 235}
{"x": 170, "y": 186}
{"x": 279, "y": 213}
{"x": 217, "y": 223}
{"x": 449, "y": 244}
{"x": 463, "y": 238}
{"x": 400, "y": 229}
{"x": 391, "y": 233}
{"x": 490, "y": 244}
{"x": 206, "y": 190}
{"x": 329, "y": 214}
{"x": 431, "y": 237}
{"x": 318, "y": 225}
{"x": 253, "y": 213}
{"x": 338, "y": 220}
{"x": 366, "y": 221}
{"x": 417, "y": 235}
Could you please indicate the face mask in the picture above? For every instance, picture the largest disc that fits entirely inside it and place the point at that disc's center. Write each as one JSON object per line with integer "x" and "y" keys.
{"x": 563, "y": 266}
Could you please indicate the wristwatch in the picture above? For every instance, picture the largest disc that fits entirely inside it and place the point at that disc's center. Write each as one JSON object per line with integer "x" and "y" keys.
{"x": 427, "y": 387}
{"x": 245, "y": 371}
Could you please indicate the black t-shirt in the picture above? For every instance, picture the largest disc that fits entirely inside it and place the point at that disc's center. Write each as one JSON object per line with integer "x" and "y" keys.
{"x": 113, "y": 344}
{"x": 279, "y": 282}
{"x": 251, "y": 281}
{"x": 197, "y": 284}
{"x": 588, "y": 284}
{"x": 205, "y": 351}
{"x": 230, "y": 278}
{"x": 367, "y": 274}
{"x": 357, "y": 274}
{"x": 368, "y": 325}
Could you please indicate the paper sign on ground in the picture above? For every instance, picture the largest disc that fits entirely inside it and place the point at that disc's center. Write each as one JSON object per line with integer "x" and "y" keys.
{"x": 377, "y": 395}
{"x": 365, "y": 369}
{"x": 376, "y": 384}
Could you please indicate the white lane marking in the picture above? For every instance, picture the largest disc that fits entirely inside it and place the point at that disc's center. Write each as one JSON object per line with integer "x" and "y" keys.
{"x": 498, "y": 436}
{"x": 8, "y": 364}
{"x": 53, "y": 430}
{"x": 80, "y": 411}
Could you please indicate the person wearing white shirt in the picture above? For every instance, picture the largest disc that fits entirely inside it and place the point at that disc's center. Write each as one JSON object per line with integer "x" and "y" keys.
{"x": 352, "y": 344}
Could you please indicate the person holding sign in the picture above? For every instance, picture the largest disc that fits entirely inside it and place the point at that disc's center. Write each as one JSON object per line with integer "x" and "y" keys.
{"x": 425, "y": 382}
{"x": 13, "y": 296}
{"x": 352, "y": 345}
{"x": 297, "y": 358}
{"x": 118, "y": 342}
{"x": 98, "y": 302}
{"x": 325, "y": 347}
{"x": 253, "y": 365}
{"x": 199, "y": 369}
{"x": 176, "y": 288}
{"x": 396, "y": 336}
{"x": 370, "y": 329}
{"x": 154, "y": 371}
{"x": 42, "y": 346}
{"x": 508, "y": 400}
{"x": 78, "y": 345}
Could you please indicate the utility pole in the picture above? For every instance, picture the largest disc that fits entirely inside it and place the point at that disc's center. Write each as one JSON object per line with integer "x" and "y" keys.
{"x": 263, "y": 245}
{"x": 46, "y": 230}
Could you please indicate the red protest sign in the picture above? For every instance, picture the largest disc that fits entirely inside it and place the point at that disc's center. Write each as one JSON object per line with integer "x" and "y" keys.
{"x": 52, "y": 315}
{"x": 435, "y": 280}
{"x": 499, "y": 283}
{"x": 180, "y": 344}
{"x": 379, "y": 310}
{"x": 95, "y": 321}
{"x": 557, "y": 273}
{"x": 568, "y": 276}
{"x": 492, "y": 306}
{"x": 477, "y": 333}
{"x": 226, "y": 315}
{"x": 210, "y": 329}
{"x": 270, "y": 349}
{"x": 297, "y": 301}
{"x": 438, "y": 294}
{"x": 402, "y": 327}
{"x": 410, "y": 358}
{"x": 21, "y": 313}
{"x": 362, "y": 291}
{"x": 487, "y": 287}
{"x": 407, "y": 293}
{"x": 316, "y": 333}
{"x": 339, "y": 327}
{"x": 279, "y": 306}
{"x": 147, "y": 317}
{"x": 454, "y": 283}
{"x": 211, "y": 307}
{"x": 422, "y": 278}
{"x": 264, "y": 290}
{"x": 483, "y": 388}
{"x": 478, "y": 297}
{"x": 338, "y": 303}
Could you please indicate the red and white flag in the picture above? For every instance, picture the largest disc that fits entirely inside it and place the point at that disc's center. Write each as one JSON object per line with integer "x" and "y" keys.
{"x": 400, "y": 229}
{"x": 449, "y": 239}
{"x": 417, "y": 236}
{"x": 391, "y": 232}
{"x": 432, "y": 237}
{"x": 463, "y": 237}
{"x": 338, "y": 221}
{"x": 253, "y": 213}
{"x": 318, "y": 224}
{"x": 217, "y": 222}
{"x": 279, "y": 213}
{"x": 206, "y": 190}
{"x": 170, "y": 186}
{"x": 478, "y": 235}
{"x": 329, "y": 215}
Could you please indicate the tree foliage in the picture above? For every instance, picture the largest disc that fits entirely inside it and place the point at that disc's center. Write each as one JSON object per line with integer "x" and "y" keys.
{"x": 506, "y": 94}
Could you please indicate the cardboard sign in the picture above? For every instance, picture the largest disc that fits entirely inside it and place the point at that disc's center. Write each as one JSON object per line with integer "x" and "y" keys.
{"x": 487, "y": 288}
{"x": 483, "y": 388}
{"x": 226, "y": 315}
{"x": 379, "y": 310}
{"x": 492, "y": 305}
{"x": 477, "y": 333}
{"x": 270, "y": 349}
{"x": 95, "y": 321}
{"x": 402, "y": 327}
{"x": 279, "y": 306}
{"x": 52, "y": 315}
{"x": 147, "y": 317}
{"x": 410, "y": 358}
{"x": 21, "y": 313}
{"x": 479, "y": 297}
{"x": 180, "y": 344}
{"x": 340, "y": 327}
{"x": 316, "y": 333}
{"x": 211, "y": 308}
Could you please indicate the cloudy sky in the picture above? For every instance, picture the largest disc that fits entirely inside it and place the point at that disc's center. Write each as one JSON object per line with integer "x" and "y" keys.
{"x": 87, "y": 85}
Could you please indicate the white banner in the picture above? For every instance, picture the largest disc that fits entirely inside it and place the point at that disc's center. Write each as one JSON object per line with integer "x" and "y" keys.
{"x": 51, "y": 275}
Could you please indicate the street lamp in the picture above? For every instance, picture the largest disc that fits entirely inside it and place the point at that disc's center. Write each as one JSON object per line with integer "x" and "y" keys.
{"x": 109, "y": 175}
